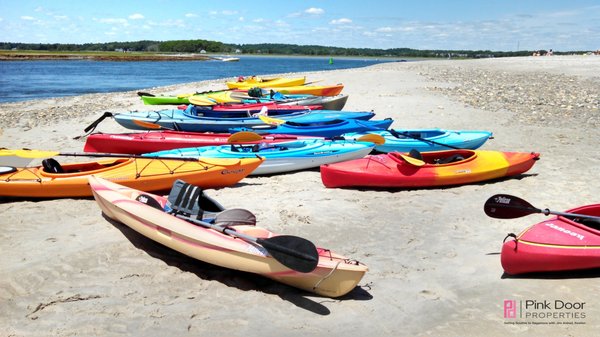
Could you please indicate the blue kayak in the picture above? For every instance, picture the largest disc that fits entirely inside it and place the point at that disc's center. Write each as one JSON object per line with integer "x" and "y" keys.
{"x": 327, "y": 129}
{"x": 423, "y": 140}
{"x": 188, "y": 120}
{"x": 280, "y": 157}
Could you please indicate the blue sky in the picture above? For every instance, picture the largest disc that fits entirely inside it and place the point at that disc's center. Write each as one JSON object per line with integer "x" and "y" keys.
{"x": 420, "y": 24}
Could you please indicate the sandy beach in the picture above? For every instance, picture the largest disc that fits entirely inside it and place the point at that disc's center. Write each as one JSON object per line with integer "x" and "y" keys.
{"x": 433, "y": 255}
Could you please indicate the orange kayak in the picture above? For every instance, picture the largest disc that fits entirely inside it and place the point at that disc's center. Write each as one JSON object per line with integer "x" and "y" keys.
{"x": 434, "y": 169}
{"x": 147, "y": 174}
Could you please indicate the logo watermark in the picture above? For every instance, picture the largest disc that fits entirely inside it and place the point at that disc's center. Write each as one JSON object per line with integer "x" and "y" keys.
{"x": 544, "y": 312}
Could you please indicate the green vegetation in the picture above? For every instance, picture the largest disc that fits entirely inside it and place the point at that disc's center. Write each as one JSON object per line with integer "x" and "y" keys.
{"x": 197, "y": 46}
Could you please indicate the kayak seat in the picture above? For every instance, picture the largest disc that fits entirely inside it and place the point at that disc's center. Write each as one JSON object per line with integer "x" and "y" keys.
{"x": 191, "y": 201}
{"x": 258, "y": 148}
{"x": 451, "y": 159}
{"x": 415, "y": 154}
{"x": 50, "y": 165}
{"x": 592, "y": 223}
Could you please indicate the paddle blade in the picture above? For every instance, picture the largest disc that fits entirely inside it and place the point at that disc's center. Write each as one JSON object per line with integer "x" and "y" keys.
{"x": 293, "y": 252}
{"x": 412, "y": 161}
{"x": 271, "y": 120}
{"x": 26, "y": 153}
{"x": 504, "y": 206}
{"x": 148, "y": 125}
{"x": 201, "y": 100}
{"x": 373, "y": 138}
{"x": 244, "y": 136}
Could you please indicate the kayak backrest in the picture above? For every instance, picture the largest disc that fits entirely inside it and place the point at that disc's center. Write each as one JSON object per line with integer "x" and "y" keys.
{"x": 190, "y": 201}
{"x": 50, "y": 165}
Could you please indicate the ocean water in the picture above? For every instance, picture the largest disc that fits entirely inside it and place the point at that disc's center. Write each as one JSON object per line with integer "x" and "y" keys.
{"x": 26, "y": 80}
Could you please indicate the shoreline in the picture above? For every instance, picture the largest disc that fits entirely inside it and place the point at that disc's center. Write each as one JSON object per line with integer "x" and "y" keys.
{"x": 6, "y": 55}
{"x": 433, "y": 255}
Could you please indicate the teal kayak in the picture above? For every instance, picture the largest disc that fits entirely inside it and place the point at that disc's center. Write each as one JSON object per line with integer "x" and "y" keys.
{"x": 280, "y": 157}
{"x": 424, "y": 140}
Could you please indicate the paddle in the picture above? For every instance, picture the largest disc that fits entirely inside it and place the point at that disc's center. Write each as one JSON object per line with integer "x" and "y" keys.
{"x": 27, "y": 153}
{"x": 407, "y": 134}
{"x": 243, "y": 137}
{"x": 293, "y": 252}
{"x": 504, "y": 206}
{"x": 201, "y": 100}
{"x": 411, "y": 160}
{"x": 373, "y": 138}
{"x": 149, "y": 125}
{"x": 271, "y": 120}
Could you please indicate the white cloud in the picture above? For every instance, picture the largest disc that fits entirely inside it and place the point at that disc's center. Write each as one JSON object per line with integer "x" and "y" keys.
{"x": 112, "y": 21}
{"x": 191, "y": 15}
{"x": 259, "y": 20}
{"x": 314, "y": 11}
{"x": 228, "y": 12}
{"x": 28, "y": 18}
{"x": 340, "y": 21}
{"x": 384, "y": 29}
{"x": 281, "y": 23}
{"x": 136, "y": 16}
{"x": 241, "y": 18}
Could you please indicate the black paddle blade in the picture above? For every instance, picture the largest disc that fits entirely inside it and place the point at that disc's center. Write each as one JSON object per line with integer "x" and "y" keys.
{"x": 504, "y": 206}
{"x": 293, "y": 252}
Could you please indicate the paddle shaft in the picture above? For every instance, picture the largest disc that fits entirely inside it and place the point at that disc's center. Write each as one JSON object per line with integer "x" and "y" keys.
{"x": 406, "y": 134}
{"x": 268, "y": 245}
{"x": 567, "y": 215}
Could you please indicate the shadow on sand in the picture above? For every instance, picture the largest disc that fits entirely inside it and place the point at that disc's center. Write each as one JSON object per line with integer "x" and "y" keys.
{"x": 233, "y": 278}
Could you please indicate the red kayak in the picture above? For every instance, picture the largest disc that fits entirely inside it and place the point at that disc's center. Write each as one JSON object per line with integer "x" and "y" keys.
{"x": 152, "y": 141}
{"x": 429, "y": 169}
{"x": 557, "y": 244}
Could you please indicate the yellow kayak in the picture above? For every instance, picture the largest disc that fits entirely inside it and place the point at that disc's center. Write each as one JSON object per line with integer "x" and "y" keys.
{"x": 316, "y": 90}
{"x": 253, "y": 81}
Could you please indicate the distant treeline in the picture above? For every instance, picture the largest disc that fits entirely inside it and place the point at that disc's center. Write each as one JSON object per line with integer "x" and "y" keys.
{"x": 197, "y": 46}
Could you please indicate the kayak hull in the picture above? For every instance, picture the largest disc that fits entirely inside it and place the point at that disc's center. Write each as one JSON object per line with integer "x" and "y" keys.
{"x": 253, "y": 81}
{"x": 336, "y": 102}
{"x": 328, "y": 129}
{"x": 556, "y": 244}
{"x": 391, "y": 170}
{"x": 140, "y": 173}
{"x": 152, "y": 141}
{"x": 187, "y": 120}
{"x": 281, "y": 157}
{"x": 426, "y": 140}
{"x": 335, "y": 275}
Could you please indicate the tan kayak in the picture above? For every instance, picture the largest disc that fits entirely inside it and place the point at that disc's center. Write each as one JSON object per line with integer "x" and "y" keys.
{"x": 333, "y": 276}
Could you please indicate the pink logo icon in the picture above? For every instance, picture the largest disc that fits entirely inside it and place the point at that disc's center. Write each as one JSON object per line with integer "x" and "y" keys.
{"x": 510, "y": 309}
